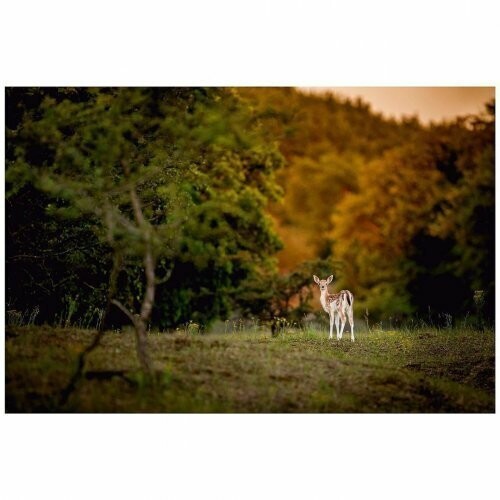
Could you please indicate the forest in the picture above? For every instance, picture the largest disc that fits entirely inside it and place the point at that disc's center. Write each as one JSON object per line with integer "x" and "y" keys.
{"x": 203, "y": 204}
{"x": 161, "y": 245}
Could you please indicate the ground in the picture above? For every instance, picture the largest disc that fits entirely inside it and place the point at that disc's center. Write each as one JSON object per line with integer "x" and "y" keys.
{"x": 301, "y": 371}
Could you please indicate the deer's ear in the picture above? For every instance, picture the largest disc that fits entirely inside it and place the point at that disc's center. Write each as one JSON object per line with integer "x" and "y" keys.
{"x": 316, "y": 279}
{"x": 329, "y": 280}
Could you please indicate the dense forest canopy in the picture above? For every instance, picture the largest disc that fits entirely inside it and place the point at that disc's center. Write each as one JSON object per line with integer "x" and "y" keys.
{"x": 246, "y": 192}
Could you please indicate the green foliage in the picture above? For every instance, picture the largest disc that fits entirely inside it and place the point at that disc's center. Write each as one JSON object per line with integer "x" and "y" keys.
{"x": 198, "y": 160}
{"x": 466, "y": 211}
{"x": 49, "y": 258}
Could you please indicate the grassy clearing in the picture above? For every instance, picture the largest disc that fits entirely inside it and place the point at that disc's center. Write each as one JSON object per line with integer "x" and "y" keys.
{"x": 391, "y": 371}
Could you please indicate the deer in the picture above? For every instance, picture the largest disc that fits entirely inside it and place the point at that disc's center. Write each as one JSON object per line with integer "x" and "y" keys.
{"x": 337, "y": 305}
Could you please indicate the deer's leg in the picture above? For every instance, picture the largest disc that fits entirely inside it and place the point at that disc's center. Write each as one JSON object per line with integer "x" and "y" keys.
{"x": 331, "y": 325}
{"x": 351, "y": 322}
{"x": 337, "y": 324}
{"x": 343, "y": 319}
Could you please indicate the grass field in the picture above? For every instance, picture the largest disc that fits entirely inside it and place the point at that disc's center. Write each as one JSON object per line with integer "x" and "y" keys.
{"x": 302, "y": 371}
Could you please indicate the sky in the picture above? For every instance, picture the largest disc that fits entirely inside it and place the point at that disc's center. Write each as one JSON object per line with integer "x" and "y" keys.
{"x": 428, "y": 103}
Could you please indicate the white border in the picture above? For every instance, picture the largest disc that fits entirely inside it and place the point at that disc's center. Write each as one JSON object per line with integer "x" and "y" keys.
{"x": 293, "y": 42}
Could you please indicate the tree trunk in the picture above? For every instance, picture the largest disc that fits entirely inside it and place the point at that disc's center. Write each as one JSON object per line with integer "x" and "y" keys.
{"x": 141, "y": 345}
{"x": 141, "y": 321}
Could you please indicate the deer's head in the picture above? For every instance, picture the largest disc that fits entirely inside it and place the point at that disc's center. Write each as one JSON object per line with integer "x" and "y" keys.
{"x": 323, "y": 283}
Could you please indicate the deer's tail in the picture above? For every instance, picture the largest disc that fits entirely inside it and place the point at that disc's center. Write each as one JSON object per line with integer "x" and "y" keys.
{"x": 349, "y": 297}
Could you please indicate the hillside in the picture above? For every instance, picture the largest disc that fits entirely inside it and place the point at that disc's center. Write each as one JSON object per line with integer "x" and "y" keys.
{"x": 424, "y": 371}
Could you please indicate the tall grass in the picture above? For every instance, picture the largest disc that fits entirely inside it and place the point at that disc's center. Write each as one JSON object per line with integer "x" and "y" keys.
{"x": 90, "y": 320}
{"x": 312, "y": 323}
{"x": 22, "y": 318}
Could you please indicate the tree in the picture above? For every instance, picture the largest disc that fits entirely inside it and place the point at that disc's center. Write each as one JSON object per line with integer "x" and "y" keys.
{"x": 140, "y": 165}
{"x": 271, "y": 294}
{"x": 325, "y": 140}
{"x": 51, "y": 261}
{"x": 465, "y": 216}
{"x": 373, "y": 227}
{"x": 417, "y": 234}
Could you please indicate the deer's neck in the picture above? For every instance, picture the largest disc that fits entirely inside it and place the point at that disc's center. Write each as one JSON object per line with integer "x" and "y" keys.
{"x": 324, "y": 299}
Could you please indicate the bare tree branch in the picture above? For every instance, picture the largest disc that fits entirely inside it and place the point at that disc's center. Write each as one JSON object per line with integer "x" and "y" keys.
{"x": 160, "y": 281}
{"x": 125, "y": 311}
{"x": 136, "y": 205}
